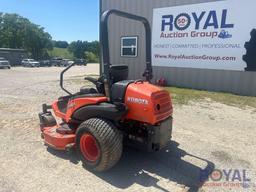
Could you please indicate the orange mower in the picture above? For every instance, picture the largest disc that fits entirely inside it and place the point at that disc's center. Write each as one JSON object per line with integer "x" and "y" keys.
{"x": 97, "y": 122}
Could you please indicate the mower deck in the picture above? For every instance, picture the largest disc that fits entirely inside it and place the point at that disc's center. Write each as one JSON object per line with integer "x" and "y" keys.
{"x": 58, "y": 140}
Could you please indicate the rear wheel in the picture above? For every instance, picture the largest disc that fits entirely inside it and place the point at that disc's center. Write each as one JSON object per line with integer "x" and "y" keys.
{"x": 99, "y": 144}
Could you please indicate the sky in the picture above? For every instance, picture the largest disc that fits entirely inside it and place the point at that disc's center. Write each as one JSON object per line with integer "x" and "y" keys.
{"x": 67, "y": 20}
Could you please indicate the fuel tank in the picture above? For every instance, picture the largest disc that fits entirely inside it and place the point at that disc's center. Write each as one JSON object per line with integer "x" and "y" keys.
{"x": 147, "y": 103}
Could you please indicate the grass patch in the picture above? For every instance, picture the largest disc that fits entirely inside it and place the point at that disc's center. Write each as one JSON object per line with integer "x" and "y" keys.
{"x": 61, "y": 52}
{"x": 184, "y": 96}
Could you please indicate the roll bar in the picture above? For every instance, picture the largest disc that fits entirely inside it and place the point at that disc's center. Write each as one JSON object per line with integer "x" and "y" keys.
{"x": 105, "y": 43}
{"x": 61, "y": 78}
{"x": 105, "y": 48}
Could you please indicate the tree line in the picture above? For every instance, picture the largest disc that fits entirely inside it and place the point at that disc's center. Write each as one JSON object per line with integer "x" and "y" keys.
{"x": 19, "y": 33}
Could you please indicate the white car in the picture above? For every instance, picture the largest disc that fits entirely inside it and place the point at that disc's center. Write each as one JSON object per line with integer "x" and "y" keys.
{"x": 4, "y": 63}
{"x": 30, "y": 63}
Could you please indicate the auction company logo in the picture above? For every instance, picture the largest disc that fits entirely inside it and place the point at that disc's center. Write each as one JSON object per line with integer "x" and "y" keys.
{"x": 230, "y": 178}
{"x": 201, "y": 22}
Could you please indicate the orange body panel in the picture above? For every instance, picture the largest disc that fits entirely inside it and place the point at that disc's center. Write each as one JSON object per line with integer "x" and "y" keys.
{"x": 75, "y": 104}
{"x": 56, "y": 140}
{"x": 147, "y": 103}
{"x": 56, "y": 110}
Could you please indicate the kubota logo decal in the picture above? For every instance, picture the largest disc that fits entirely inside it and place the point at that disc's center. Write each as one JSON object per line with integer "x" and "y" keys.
{"x": 137, "y": 100}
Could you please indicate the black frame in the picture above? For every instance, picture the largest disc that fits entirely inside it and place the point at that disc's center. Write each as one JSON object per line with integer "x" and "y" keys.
{"x": 61, "y": 78}
{"x": 104, "y": 44}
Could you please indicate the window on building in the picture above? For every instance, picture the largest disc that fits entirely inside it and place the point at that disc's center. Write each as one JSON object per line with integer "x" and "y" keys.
{"x": 129, "y": 46}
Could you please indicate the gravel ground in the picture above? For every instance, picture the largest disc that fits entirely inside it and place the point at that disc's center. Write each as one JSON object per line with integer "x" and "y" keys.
{"x": 207, "y": 135}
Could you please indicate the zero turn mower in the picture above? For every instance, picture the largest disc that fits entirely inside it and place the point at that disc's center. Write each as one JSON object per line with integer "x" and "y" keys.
{"x": 98, "y": 121}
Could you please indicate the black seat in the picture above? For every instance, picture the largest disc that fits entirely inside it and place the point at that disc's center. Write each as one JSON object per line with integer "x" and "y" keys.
{"x": 85, "y": 90}
{"x": 118, "y": 90}
{"x": 88, "y": 92}
{"x": 119, "y": 73}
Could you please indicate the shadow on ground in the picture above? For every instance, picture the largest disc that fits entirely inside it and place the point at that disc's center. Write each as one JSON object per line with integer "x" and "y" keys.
{"x": 145, "y": 168}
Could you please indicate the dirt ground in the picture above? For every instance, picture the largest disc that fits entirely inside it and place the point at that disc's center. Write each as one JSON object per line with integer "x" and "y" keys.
{"x": 206, "y": 136}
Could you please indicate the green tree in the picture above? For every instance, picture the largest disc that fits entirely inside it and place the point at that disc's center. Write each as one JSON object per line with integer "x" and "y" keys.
{"x": 77, "y": 48}
{"x": 19, "y": 33}
{"x": 37, "y": 42}
{"x": 11, "y": 27}
{"x": 60, "y": 44}
{"x": 93, "y": 47}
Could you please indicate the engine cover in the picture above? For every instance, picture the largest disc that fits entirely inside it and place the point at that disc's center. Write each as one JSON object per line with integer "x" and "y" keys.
{"x": 147, "y": 103}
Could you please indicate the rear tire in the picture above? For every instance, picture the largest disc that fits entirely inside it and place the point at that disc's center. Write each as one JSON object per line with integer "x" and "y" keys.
{"x": 99, "y": 144}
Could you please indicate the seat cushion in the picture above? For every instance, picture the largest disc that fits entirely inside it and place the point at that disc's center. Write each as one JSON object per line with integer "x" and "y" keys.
{"x": 85, "y": 90}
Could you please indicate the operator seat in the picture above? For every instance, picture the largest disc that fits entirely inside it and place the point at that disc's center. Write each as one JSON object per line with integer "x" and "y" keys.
{"x": 119, "y": 75}
{"x": 85, "y": 90}
{"x": 119, "y": 82}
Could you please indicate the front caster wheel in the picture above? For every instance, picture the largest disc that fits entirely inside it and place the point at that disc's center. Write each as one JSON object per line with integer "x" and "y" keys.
{"x": 99, "y": 144}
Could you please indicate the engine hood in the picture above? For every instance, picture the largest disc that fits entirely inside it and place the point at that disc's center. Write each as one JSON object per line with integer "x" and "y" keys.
{"x": 147, "y": 103}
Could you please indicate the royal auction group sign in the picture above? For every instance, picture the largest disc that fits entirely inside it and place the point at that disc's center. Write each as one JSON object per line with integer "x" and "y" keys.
{"x": 209, "y": 35}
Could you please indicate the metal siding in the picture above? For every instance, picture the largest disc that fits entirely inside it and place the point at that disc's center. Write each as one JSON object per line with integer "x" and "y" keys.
{"x": 243, "y": 83}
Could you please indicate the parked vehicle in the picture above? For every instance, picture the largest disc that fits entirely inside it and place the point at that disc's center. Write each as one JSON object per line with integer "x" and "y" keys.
{"x": 4, "y": 63}
{"x": 81, "y": 62}
{"x": 45, "y": 63}
{"x": 66, "y": 62}
{"x": 30, "y": 63}
{"x": 56, "y": 61}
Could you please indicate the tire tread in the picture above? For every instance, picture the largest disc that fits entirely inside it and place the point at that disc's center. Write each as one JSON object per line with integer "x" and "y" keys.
{"x": 109, "y": 139}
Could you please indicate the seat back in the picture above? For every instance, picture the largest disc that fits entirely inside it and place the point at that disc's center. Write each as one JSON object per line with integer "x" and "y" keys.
{"x": 119, "y": 73}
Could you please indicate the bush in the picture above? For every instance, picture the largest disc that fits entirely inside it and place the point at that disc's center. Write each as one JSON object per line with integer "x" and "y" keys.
{"x": 91, "y": 57}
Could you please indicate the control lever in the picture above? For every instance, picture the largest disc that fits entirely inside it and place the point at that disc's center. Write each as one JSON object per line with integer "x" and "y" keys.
{"x": 92, "y": 80}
